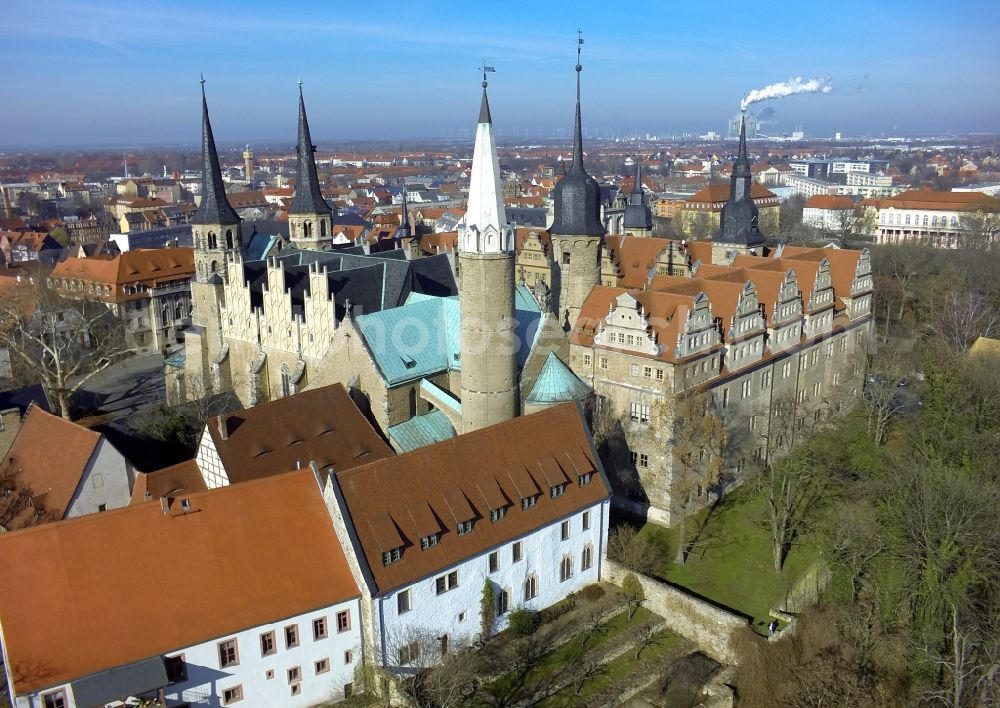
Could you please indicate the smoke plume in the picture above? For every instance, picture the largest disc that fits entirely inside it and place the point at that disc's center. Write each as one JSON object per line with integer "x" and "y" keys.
{"x": 786, "y": 88}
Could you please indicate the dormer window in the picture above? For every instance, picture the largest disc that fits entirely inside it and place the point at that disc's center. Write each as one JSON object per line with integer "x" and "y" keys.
{"x": 585, "y": 478}
{"x": 497, "y": 514}
{"x": 391, "y": 556}
{"x": 428, "y": 541}
{"x": 557, "y": 490}
{"x": 528, "y": 502}
{"x": 463, "y": 527}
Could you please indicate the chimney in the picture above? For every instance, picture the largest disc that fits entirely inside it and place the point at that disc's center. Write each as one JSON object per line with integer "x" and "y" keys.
{"x": 223, "y": 426}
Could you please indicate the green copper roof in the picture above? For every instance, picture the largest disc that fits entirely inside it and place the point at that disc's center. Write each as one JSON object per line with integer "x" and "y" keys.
{"x": 556, "y": 383}
{"x": 421, "y": 430}
{"x": 422, "y": 337}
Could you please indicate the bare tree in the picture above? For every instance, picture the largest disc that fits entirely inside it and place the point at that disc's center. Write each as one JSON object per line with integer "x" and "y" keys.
{"x": 903, "y": 263}
{"x": 66, "y": 341}
{"x": 20, "y": 506}
{"x": 967, "y": 316}
{"x": 698, "y": 436}
{"x": 882, "y": 398}
{"x": 633, "y": 592}
{"x": 635, "y": 551}
{"x": 643, "y": 637}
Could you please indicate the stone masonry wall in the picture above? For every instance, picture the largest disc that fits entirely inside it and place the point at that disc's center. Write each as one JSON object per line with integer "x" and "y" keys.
{"x": 708, "y": 626}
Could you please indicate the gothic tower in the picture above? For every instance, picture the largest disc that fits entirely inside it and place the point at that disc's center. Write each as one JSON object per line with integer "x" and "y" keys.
{"x": 638, "y": 218}
{"x": 738, "y": 231}
{"x": 309, "y": 215}
{"x": 486, "y": 290}
{"x": 576, "y": 228}
{"x": 216, "y": 231}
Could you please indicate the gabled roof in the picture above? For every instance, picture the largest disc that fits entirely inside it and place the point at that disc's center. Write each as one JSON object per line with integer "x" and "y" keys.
{"x": 556, "y": 383}
{"x": 394, "y": 502}
{"x": 174, "y": 481}
{"x": 719, "y": 193}
{"x": 422, "y": 430}
{"x": 322, "y": 425}
{"x": 49, "y": 456}
{"x": 264, "y": 551}
{"x": 829, "y": 201}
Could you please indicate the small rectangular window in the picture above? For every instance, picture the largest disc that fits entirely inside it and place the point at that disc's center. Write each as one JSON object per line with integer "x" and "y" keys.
{"x": 348, "y": 656}
{"x": 232, "y": 695}
{"x": 319, "y": 628}
{"x": 585, "y": 478}
{"x": 267, "y": 644}
{"x": 557, "y": 490}
{"x": 564, "y": 530}
{"x": 497, "y": 514}
{"x": 322, "y": 666}
{"x": 528, "y": 502}
{"x": 494, "y": 562}
{"x": 228, "y": 654}
{"x": 176, "y": 669}
{"x": 515, "y": 552}
{"x": 464, "y": 527}
{"x": 604, "y": 362}
{"x": 343, "y": 621}
{"x": 291, "y": 636}
{"x": 294, "y": 674}
{"x": 586, "y": 521}
{"x": 402, "y": 601}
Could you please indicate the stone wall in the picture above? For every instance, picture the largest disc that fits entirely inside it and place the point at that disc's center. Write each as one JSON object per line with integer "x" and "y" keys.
{"x": 807, "y": 589}
{"x": 707, "y": 625}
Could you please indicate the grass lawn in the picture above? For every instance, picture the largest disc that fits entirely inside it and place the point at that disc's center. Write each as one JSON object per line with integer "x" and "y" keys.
{"x": 731, "y": 560}
{"x": 565, "y": 655}
{"x": 612, "y": 672}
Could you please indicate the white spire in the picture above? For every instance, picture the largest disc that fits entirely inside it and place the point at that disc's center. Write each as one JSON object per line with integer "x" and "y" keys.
{"x": 484, "y": 227}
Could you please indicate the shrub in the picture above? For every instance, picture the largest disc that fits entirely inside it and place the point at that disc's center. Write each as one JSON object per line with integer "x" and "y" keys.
{"x": 522, "y": 621}
{"x": 636, "y": 551}
{"x": 591, "y": 593}
{"x": 634, "y": 594}
{"x": 554, "y": 612}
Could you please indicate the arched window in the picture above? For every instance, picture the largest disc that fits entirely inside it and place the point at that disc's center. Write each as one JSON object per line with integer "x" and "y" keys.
{"x": 565, "y": 569}
{"x": 925, "y": 220}
{"x": 229, "y": 238}
{"x": 322, "y": 228}
{"x": 307, "y": 229}
{"x": 413, "y": 402}
{"x": 907, "y": 219}
{"x": 212, "y": 241}
{"x": 587, "y": 557}
{"x": 215, "y": 267}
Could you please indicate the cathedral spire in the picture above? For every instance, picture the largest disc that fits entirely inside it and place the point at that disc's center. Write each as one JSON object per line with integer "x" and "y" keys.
{"x": 637, "y": 187}
{"x": 484, "y": 228}
{"x": 308, "y": 198}
{"x": 638, "y": 216}
{"x": 742, "y": 166}
{"x": 576, "y": 198}
{"x": 214, "y": 207}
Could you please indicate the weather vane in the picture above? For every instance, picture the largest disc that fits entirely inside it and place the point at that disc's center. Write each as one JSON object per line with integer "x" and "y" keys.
{"x": 486, "y": 68}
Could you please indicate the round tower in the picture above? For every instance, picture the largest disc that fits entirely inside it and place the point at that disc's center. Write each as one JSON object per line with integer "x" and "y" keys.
{"x": 486, "y": 291}
{"x": 576, "y": 229}
{"x": 248, "y": 163}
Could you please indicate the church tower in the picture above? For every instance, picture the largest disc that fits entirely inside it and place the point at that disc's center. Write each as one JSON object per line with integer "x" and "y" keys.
{"x": 309, "y": 215}
{"x": 216, "y": 233}
{"x": 638, "y": 218}
{"x": 248, "y": 164}
{"x": 486, "y": 290}
{"x": 576, "y": 228}
{"x": 738, "y": 231}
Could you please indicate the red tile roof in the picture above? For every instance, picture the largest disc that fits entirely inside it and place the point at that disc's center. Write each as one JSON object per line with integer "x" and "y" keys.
{"x": 394, "y": 502}
{"x": 102, "y": 592}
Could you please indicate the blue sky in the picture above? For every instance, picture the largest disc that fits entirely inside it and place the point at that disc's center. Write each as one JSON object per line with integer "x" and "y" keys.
{"x": 109, "y": 72}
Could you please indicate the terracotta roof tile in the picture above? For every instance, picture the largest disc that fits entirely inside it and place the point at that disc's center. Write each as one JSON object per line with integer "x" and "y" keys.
{"x": 263, "y": 551}
{"x": 173, "y": 481}
{"x": 393, "y": 502}
{"x": 50, "y": 455}
{"x": 322, "y": 425}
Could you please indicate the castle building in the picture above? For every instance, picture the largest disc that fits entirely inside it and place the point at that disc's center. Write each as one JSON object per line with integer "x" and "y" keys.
{"x": 486, "y": 266}
{"x": 576, "y": 228}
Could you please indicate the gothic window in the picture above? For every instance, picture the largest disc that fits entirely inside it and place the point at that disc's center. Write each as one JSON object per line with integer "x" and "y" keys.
{"x": 322, "y": 228}
{"x": 215, "y": 267}
{"x": 212, "y": 243}
{"x": 307, "y": 229}
{"x": 286, "y": 381}
{"x": 229, "y": 238}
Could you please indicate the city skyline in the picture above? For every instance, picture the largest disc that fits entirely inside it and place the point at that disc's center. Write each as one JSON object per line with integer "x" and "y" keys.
{"x": 118, "y": 74}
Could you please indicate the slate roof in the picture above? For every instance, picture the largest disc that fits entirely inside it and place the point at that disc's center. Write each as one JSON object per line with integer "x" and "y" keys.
{"x": 214, "y": 207}
{"x": 22, "y": 398}
{"x": 556, "y": 383}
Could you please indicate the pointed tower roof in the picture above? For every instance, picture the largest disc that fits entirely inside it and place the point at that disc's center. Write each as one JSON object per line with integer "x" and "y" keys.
{"x": 556, "y": 383}
{"x": 742, "y": 166}
{"x": 739, "y": 214}
{"x": 577, "y": 196}
{"x": 308, "y": 198}
{"x": 404, "y": 221}
{"x": 485, "y": 212}
{"x": 214, "y": 207}
{"x": 637, "y": 213}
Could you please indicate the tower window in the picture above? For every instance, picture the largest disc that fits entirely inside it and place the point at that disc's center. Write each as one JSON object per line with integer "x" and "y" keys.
{"x": 565, "y": 258}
